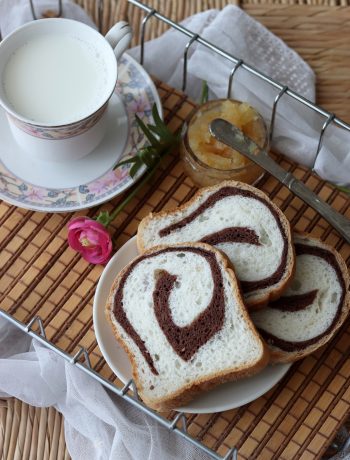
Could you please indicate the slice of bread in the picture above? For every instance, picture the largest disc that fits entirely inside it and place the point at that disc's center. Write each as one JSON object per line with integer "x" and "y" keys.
{"x": 178, "y": 313}
{"x": 314, "y": 306}
{"x": 241, "y": 221}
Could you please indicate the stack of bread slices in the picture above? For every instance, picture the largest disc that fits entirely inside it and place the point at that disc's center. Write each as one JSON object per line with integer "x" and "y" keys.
{"x": 220, "y": 289}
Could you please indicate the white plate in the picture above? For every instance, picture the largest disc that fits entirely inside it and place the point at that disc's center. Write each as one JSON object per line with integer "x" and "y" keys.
{"x": 92, "y": 180}
{"x": 224, "y": 397}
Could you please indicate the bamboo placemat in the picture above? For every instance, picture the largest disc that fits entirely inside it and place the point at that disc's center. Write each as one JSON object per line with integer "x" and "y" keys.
{"x": 29, "y": 432}
{"x": 41, "y": 275}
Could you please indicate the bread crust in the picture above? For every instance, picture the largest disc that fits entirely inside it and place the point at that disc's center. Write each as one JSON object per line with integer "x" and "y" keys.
{"x": 256, "y": 301}
{"x": 280, "y": 356}
{"x": 189, "y": 391}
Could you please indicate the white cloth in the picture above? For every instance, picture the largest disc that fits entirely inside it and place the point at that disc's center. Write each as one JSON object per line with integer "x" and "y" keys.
{"x": 297, "y": 128}
{"x": 14, "y": 13}
{"x": 98, "y": 425}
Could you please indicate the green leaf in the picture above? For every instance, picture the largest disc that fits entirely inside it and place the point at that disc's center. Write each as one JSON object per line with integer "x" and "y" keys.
{"x": 126, "y": 162}
{"x": 146, "y": 131}
{"x": 165, "y": 136}
{"x": 148, "y": 155}
{"x": 103, "y": 218}
{"x": 162, "y": 141}
{"x": 156, "y": 130}
{"x": 134, "y": 169}
{"x": 205, "y": 93}
{"x": 160, "y": 127}
{"x": 156, "y": 117}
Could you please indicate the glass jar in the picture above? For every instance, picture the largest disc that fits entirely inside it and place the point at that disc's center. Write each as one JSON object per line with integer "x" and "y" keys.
{"x": 208, "y": 161}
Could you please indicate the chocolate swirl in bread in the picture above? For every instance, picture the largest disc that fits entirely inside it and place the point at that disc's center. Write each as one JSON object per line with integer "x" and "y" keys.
{"x": 178, "y": 313}
{"x": 185, "y": 340}
{"x": 320, "y": 309}
{"x": 237, "y": 234}
{"x": 232, "y": 235}
{"x": 295, "y": 302}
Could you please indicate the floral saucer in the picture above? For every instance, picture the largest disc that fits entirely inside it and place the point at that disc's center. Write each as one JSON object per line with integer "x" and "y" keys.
{"x": 73, "y": 185}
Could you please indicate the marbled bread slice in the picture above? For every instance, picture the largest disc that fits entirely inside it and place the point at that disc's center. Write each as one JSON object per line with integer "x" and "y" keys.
{"x": 314, "y": 306}
{"x": 179, "y": 315}
{"x": 241, "y": 221}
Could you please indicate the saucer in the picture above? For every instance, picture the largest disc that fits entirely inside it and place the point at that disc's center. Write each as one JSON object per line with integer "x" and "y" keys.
{"x": 74, "y": 185}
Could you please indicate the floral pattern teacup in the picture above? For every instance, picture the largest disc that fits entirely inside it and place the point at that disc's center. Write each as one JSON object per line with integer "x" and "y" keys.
{"x": 51, "y": 141}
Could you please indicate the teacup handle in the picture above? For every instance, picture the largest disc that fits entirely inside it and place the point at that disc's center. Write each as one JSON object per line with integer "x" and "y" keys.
{"x": 119, "y": 37}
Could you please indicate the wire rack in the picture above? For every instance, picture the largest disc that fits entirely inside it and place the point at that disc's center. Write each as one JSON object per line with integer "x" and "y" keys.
{"x": 239, "y": 63}
{"x": 35, "y": 327}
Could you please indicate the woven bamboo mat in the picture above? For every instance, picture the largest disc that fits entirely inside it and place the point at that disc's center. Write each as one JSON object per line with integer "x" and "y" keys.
{"x": 41, "y": 275}
{"x": 34, "y": 433}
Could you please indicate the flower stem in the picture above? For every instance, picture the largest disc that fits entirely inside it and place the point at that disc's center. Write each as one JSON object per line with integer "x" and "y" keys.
{"x": 205, "y": 93}
{"x": 132, "y": 194}
{"x": 343, "y": 189}
{"x": 144, "y": 181}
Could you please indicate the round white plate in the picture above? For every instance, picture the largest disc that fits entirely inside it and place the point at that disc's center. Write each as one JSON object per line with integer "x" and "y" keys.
{"x": 92, "y": 180}
{"x": 224, "y": 397}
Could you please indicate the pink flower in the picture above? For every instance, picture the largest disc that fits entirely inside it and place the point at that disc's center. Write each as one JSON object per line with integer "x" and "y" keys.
{"x": 91, "y": 239}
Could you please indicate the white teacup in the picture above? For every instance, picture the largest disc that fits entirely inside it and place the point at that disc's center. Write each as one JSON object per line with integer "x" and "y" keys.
{"x": 56, "y": 78}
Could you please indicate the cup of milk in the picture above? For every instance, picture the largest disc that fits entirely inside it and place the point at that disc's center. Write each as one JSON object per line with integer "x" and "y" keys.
{"x": 56, "y": 78}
